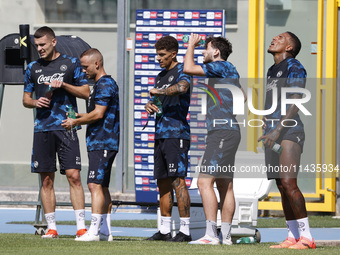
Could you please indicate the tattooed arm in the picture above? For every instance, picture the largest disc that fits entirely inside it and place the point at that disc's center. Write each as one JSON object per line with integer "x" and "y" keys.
{"x": 179, "y": 88}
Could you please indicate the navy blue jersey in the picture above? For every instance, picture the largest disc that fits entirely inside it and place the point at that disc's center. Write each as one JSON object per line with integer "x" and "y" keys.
{"x": 288, "y": 73}
{"x": 224, "y": 73}
{"x": 104, "y": 133}
{"x": 173, "y": 123}
{"x": 63, "y": 68}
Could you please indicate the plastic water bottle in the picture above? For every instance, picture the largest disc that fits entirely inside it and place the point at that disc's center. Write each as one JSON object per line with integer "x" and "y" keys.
{"x": 70, "y": 112}
{"x": 158, "y": 103}
{"x": 186, "y": 37}
{"x": 276, "y": 147}
{"x": 49, "y": 92}
{"x": 246, "y": 240}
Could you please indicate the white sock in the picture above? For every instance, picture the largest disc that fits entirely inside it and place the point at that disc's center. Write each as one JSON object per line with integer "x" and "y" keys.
{"x": 95, "y": 223}
{"x": 105, "y": 224}
{"x": 293, "y": 229}
{"x": 80, "y": 218}
{"x": 165, "y": 225}
{"x": 184, "y": 226}
{"x": 211, "y": 228}
{"x": 50, "y": 219}
{"x": 225, "y": 229}
{"x": 304, "y": 228}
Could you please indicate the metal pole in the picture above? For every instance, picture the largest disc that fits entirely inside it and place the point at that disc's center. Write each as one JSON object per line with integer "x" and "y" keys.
{"x": 123, "y": 84}
{"x": 337, "y": 205}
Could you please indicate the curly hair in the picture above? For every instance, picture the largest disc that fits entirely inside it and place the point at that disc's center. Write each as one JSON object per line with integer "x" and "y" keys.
{"x": 167, "y": 43}
{"x": 220, "y": 43}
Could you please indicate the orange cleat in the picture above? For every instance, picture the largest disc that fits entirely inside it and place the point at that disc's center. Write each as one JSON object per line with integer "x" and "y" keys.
{"x": 303, "y": 243}
{"x": 81, "y": 232}
{"x": 286, "y": 243}
{"x": 51, "y": 233}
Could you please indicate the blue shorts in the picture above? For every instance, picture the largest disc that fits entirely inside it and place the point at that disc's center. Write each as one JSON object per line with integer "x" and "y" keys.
{"x": 47, "y": 144}
{"x": 171, "y": 158}
{"x": 100, "y": 164}
{"x": 219, "y": 156}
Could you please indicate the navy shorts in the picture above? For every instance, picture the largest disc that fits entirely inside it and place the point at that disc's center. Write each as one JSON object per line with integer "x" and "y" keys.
{"x": 47, "y": 144}
{"x": 171, "y": 158}
{"x": 100, "y": 164}
{"x": 273, "y": 159}
{"x": 219, "y": 156}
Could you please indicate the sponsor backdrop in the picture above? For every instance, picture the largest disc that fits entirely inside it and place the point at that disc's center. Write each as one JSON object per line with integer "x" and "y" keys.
{"x": 151, "y": 25}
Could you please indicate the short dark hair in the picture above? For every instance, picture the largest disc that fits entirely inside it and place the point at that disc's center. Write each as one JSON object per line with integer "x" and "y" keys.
{"x": 296, "y": 44}
{"x": 44, "y": 31}
{"x": 167, "y": 43}
{"x": 93, "y": 52}
{"x": 222, "y": 44}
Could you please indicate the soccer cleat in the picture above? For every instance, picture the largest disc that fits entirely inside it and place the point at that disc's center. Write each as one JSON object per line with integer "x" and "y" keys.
{"x": 160, "y": 237}
{"x": 87, "y": 237}
{"x": 81, "y": 232}
{"x": 207, "y": 240}
{"x": 51, "y": 233}
{"x": 303, "y": 243}
{"x": 103, "y": 237}
{"x": 181, "y": 237}
{"x": 227, "y": 241}
{"x": 286, "y": 243}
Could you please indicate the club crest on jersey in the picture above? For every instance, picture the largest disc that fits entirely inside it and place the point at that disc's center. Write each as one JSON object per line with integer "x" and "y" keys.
{"x": 279, "y": 73}
{"x": 171, "y": 78}
{"x": 63, "y": 68}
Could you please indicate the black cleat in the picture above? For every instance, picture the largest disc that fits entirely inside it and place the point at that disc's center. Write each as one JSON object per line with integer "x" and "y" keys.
{"x": 160, "y": 237}
{"x": 180, "y": 237}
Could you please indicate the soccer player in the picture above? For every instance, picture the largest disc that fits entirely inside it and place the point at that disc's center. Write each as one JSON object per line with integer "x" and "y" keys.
{"x": 172, "y": 139}
{"x": 287, "y": 72}
{"x": 64, "y": 75}
{"x": 222, "y": 139}
{"x": 102, "y": 138}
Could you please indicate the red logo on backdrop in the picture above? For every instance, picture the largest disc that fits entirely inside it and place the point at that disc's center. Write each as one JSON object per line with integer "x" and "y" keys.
{"x": 218, "y": 23}
{"x": 173, "y": 23}
{"x": 137, "y": 100}
{"x": 153, "y": 15}
{"x": 174, "y": 15}
{"x": 143, "y": 122}
{"x": 194, "y": 138}
{"x": 145, "y": 44}
{"x": 146, "y": 181}
{"x": 201, "y": 146}
{"x": 159, "y": 36}
{"x": 185, "y": 45}
{"x": 179, "y": 37}
{"x": 151, "y": 137}
{"x": 218, "y": 15}
{"x": 195, "y": 15}
{"x": 203, "y": 36}
{"x": 151, "y": 80}
{"x": 194, "y": 96}
{"x": 138, "y": 66}
{"x": 201, "y": 124}
{"x": 145, "y": 59}
{"x": 138, "y": 158}
{"x": 146, "y": 188}
{"x": 139, "y": 37}
{"x": 188, "y": 182}
{"x": 144, "y": 115}
{"x": 188, "y": 116}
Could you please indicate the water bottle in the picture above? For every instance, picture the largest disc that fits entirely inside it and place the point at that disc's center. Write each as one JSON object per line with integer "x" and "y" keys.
{"x": 49, "y": 92}
{"x": 70, "y": 112}
{"x": 158, "y": 103}
{"x": 276, "y": 147}
{"x": 186, "y": 37}
{"x": 246, "y": 240}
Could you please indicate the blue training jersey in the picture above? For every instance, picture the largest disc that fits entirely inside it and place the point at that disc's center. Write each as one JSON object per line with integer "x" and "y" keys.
{"x": 173, "y": 122}
{"x": 288, "y": 73}
{"x": 104, "y": 133}
{"x": 63, "y": 68}
{"x": 221, "y": 72}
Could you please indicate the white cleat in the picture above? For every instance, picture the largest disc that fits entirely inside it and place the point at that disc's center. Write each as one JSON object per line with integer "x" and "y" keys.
{"x": 207, "y": 240}
{"x": 107, "y": 238}
{"x": 227, "y": 241}
{"x": 87, "y": 237}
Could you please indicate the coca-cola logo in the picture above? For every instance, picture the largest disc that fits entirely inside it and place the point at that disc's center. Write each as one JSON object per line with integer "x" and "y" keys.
{"x": 57, "y": 76}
